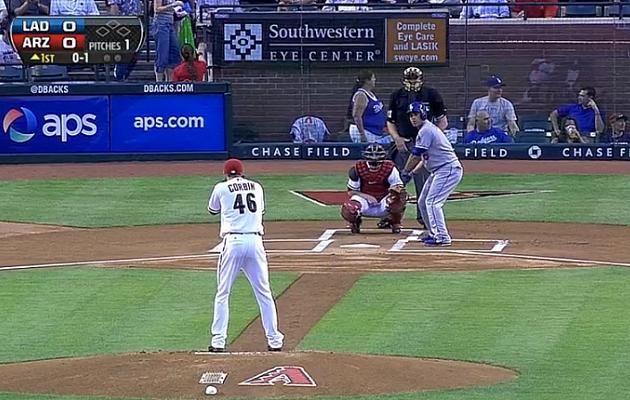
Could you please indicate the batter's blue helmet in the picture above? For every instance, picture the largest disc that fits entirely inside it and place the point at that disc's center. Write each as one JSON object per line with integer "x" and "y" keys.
{"x": 418, "y": 108}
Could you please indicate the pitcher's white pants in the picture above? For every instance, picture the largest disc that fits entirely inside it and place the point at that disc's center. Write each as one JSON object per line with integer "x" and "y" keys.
{"x": 244, "y": 253}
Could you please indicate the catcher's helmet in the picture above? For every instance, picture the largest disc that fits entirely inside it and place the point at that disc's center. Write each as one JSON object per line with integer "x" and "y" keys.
{"x": 418, "y": 108}
{"x": 412, "y": 79}
{"x": 375, "y": 154}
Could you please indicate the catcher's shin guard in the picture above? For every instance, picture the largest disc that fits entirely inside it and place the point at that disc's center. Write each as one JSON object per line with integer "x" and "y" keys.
{"x": 351, "y": 212}
{"x": 396, "y": 204}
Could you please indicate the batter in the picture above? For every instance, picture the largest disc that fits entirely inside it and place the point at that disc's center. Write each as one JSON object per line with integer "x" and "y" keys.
{"x": 241, "y": 204}
{"x": 433, "y": 151}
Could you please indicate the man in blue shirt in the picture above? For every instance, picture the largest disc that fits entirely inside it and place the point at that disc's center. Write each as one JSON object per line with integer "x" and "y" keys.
{"x": 485, "y": 133}
{"x": 585, "y": 112}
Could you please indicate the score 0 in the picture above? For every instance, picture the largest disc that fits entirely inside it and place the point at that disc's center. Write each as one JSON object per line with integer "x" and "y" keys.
{"x": 70, "y": 42}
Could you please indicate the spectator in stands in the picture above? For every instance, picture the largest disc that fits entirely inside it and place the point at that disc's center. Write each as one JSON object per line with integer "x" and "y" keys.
{"x": 368, "y": 112}
{"x": 532, "y": 11}
{"x": 585, "y": 112}
{"x": 617, "y": 130}
{"x": 569, "y": 133}
{"x": 206, "y": 8}
{"x": 3, "y": 16}
{"x": 309, "y": 129}
{"x": 30, "y": 7}
{"x": 345, "y": 5}
{"x": 501, "y": 110}
{"x": 297, "y": 5}
{"x": 73, "y": 7}
{"x": 485, "y": 133}
{"x": 190, "y": 69}
{"x": 8, "y": 55}
{"x": 167, "y": 48}
{"x": 481, "y": 11}
{"x": 129, "y": 8}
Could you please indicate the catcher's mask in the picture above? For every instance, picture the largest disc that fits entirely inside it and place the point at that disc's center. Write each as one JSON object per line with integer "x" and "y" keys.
{"x": 412, "y": 79}
{"x": 375, "y": 154}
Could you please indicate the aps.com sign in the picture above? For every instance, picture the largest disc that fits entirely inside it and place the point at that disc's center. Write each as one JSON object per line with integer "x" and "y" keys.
{"x": 69, "y": 124}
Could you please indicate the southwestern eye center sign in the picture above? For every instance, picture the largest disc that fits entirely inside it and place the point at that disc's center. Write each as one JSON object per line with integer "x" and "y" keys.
{"x": 331, "y": 39}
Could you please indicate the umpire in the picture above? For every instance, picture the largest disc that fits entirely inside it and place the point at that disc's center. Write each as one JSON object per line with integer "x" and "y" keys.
{"x": 400, "y": 128}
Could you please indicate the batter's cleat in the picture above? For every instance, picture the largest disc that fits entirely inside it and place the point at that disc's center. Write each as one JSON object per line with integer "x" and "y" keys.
{"x": 434, "y": 242}
{"x": 427, "y": 237}
{"x": 269, "y": 348}
{"x": 384, "y": 223}
{"x": 355, "y": 227}
{"x": 396, "y": 228}
{"x": 213, "y": 349}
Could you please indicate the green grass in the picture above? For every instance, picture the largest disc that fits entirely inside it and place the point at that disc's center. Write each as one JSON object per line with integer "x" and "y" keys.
{"x": 565, "y": 331}
{"x": 160, "y": 200}
{"x": 85, "y": 311}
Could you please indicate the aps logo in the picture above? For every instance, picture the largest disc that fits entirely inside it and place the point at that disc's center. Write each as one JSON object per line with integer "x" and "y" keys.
{"x": 60, "y": 125}
{"x": 14, "y": 115}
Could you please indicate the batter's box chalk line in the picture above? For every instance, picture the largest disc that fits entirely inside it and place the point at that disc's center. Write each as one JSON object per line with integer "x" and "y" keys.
{"x": 402, "y": 245}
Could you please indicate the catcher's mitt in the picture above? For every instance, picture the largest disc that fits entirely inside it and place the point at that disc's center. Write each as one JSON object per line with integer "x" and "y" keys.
{"x": 397, "y": 198}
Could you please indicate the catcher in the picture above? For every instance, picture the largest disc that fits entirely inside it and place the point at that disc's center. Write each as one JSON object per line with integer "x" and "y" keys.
{"x": 375, "y": 190}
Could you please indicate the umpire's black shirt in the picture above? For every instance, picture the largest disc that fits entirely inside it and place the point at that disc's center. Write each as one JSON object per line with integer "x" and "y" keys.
{"x": 399, "y": 104}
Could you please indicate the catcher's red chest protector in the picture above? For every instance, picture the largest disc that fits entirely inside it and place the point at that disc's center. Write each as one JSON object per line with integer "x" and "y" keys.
{"x": 374, "y": 183}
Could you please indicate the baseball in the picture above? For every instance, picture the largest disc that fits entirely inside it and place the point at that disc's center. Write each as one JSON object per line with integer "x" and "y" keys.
{"x": 211, "y": 390}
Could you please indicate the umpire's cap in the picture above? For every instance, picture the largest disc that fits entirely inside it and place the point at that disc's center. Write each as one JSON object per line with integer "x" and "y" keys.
{"x": 233, "y": 167}
{"x": 418, "y": 108}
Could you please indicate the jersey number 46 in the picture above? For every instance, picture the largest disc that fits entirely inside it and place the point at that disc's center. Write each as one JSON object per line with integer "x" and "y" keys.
{"x": 250, "y": 203}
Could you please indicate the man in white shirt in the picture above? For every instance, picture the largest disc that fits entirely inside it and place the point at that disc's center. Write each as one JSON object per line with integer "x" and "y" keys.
{"x": 241, "y": 204}
{"x": 73, "y": 7}
{"x": 501, "y": 110}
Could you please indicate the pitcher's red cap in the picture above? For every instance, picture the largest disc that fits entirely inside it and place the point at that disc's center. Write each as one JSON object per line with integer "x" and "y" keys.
{"x": 233, "y": 167}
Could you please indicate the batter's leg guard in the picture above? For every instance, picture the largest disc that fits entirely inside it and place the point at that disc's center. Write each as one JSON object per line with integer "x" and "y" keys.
{"x": 351, "y": 212}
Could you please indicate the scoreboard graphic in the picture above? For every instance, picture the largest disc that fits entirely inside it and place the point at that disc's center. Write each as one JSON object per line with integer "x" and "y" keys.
{"x": 77, "y": 40}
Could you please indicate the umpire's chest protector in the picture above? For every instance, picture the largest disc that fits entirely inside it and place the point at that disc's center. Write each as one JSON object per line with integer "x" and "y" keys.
{"x": 375, "y": 183}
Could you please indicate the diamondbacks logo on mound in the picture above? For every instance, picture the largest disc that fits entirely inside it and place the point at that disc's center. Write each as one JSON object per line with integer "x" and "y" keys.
{"x": 242, "y": 42}
{"x": 287, "y": 376}
{"x": 338, "y": 197}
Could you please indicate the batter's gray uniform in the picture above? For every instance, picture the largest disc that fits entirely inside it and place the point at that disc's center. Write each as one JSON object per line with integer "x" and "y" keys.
{"x": 446, "y": 172}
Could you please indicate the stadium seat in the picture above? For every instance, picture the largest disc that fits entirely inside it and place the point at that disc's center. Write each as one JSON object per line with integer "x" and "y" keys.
{"x": 617, "y": 10}
{"x": 11, "y": 73}
{"x": 580, "y": 11}
{"x": 533, "y": 136}
{"x": 43, "y": 73}
{"x": 456, "y": 121}
{"x": 535, "y": 123}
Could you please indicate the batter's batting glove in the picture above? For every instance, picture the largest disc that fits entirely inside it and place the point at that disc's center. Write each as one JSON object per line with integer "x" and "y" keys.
{"x": 406, "y": 176}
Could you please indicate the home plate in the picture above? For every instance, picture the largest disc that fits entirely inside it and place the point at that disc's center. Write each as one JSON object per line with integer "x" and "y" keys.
{"x": 360, "y": 246}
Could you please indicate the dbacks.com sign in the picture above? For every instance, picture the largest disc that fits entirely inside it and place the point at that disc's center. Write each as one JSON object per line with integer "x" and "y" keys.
{"x": 49, "y": 124}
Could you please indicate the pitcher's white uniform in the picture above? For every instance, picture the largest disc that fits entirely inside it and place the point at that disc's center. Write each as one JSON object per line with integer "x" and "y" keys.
{"x": 242, "y": 205}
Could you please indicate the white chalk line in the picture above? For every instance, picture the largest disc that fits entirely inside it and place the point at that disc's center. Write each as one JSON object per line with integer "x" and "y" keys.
{"x": 111, "y": 261}
{"x": 442, "y": 251}
{"x": 546, "y": 258}
{"x": 300, "y": 195}
{"x": 325, "y": 240}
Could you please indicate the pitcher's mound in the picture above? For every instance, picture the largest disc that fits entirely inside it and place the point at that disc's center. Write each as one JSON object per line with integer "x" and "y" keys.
{"x": 176, "y": 375}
